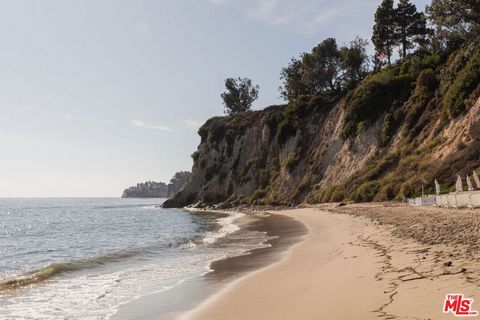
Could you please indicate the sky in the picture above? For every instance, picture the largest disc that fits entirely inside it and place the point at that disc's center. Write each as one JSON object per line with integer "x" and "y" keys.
{"x": 98, "y": 95}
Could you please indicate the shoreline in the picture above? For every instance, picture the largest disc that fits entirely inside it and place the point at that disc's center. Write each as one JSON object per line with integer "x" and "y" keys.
{"x": 352, "y": 265}
{"x": 282, "y": 231}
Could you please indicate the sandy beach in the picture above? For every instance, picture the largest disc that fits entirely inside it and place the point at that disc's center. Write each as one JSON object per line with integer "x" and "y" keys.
{"x": 360, "y": 262}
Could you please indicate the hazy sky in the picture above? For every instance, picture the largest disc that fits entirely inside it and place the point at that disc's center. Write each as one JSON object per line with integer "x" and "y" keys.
{"x": 97, "y": 95}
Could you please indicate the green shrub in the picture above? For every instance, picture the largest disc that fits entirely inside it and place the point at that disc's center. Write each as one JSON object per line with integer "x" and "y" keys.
{"x": 285, "y": 130}
{"x": 374, "y": 96}
{"x": 414, "y": 64}
{"x": 416, "y": 107}
{"x": 388, "y": 129}
{"x": 337, "y": 196}
{"x": 374, "y": 170}
{"x": 258, "y": 194}
{"x": 349, "y": 129}
{"x": 217, "y": 133}
{"x": 389, "y": 189}
{"x": 264, "y": 179}
{"x": 407, "y": 190}
{"x": 366, "y": 192}
{"x": 427, "y": 82}
{"x": 465, "y": 82}
{"x": 272, "y": 121}
{"x": 428, "y": 147}
{"x": 324, "y": 195}
{"x": 317, "y": 102}
{"x": 230, "y": 136}
{"x": 292, "y": 161}
{"x": 293, "y": 115}
{"x": 430, "y": 60}
{"x": 304, "y": 185}
{"x": 410, "y": 163}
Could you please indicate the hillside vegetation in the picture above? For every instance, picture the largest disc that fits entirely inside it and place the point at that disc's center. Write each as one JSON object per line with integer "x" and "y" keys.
{"x": 367, "y": 136}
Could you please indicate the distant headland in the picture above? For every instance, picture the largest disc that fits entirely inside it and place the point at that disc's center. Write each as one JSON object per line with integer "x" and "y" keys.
{"x": 151, "y": 189}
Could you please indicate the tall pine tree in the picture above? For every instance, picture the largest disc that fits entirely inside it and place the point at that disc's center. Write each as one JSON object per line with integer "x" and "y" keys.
{"x": 410, "y": 25}
{"x": 384, "y": 37}
{"x": 458, "y": 19}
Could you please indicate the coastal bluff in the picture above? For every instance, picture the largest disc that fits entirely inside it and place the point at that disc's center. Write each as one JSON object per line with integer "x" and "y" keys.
{"x": 415, "y": 121}
{"x": 152, "y": 189}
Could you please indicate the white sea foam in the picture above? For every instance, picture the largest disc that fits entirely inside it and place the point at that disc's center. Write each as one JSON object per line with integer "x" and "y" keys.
{"x": 152, "y": 207}
{"x": 227, "y": 226}
{"x": 101, "y": 294}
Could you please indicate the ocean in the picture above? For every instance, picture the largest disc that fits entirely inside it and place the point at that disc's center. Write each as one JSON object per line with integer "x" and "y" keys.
{"x": 86, "y": 258}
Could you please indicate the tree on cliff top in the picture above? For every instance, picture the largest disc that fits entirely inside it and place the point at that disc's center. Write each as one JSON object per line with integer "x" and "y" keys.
{"x": 354, "y": 60}
{"x": 328, "y": 69}
{"x": 322, "y": 67}
{"x": 239, "y": 95}
{"x": 411, "y": 25}
{"x": 455, "y": 20}
{"x": 294, "y": 85}
{"x": 384, "y": 37}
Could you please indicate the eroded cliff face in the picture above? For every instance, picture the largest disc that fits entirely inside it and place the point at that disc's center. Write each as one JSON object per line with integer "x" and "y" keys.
{"x": 299, "y": 152}
{"x": 242, "y": 160}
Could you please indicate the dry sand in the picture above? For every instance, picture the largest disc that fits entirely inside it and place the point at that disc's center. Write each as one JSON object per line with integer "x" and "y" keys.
{"x": 360, "y": 262}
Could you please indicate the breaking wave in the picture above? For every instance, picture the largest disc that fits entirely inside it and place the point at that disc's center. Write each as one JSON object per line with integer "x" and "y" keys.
{"x": 55, "y": 269}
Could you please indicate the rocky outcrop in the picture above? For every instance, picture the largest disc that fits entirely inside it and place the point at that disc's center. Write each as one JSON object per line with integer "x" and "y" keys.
{"x": 178, "y": 181}
{"x": 374, "y": 143}
{"x": 152, "y": 189}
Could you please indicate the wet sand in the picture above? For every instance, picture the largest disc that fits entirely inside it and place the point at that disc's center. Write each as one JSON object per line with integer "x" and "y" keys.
{"x": 171, "y": 304}
{"x": 359, "y": 262}
{"x": 287, "y": 231}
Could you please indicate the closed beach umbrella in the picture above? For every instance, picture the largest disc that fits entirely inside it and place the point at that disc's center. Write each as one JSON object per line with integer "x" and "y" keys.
{"x": 459, "y": 184}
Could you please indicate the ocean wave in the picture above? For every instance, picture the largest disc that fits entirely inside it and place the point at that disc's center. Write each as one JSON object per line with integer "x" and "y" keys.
{"x": 153, "y": 206}
{"x": 100, "y": 293}
{"x": 227, "y": 226}
{"x": 55, "y": 269}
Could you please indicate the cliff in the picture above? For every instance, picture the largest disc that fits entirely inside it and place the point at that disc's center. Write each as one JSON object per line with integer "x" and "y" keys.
{"x": 417, "y": 120}
{"x": 152, "y": 189}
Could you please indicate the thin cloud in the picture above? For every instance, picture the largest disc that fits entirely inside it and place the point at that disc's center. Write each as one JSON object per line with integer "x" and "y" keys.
{"x": 305, "y": 15}
{"x": 141, "y": 124}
